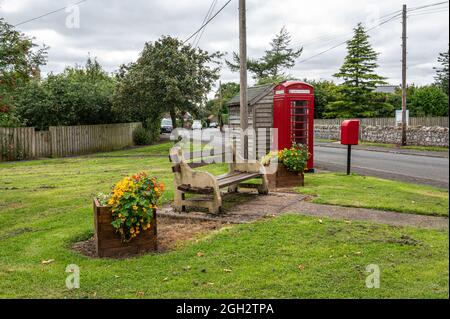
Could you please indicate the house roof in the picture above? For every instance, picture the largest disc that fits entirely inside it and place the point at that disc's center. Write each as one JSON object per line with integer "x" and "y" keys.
{"x": 254, "y": 94}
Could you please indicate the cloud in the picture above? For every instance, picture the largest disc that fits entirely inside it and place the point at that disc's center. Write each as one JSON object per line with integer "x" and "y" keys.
{"x": 115, "y": 31}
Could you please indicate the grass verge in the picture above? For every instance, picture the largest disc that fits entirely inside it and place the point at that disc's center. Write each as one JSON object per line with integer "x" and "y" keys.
{"x": 375, "y": 193}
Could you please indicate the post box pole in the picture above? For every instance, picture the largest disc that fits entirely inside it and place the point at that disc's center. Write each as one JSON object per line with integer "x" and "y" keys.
{"x": 349, "y": 158}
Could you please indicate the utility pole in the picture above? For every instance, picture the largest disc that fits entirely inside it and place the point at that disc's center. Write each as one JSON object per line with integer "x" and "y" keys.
{"x": 219, "y": 115}
{"x": 243, "y": 76}
{"x": 404, "y": 52}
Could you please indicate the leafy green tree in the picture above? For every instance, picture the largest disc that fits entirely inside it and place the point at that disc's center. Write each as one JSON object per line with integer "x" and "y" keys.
{"x": 325, "y": 92}
{"x": 20, "y": 61}
{"x": 168, "y": 77}
{"x": 217, "y": 105}
{"x": 395, "y": 99}
{"x": 228, "y": 91}
{"x": 442, "y": 73}
{"x": 359, "y": 80}
{"x": 269, "y": 68}
{"x": 429, "y": 101}
{"x": 79, "y": 95}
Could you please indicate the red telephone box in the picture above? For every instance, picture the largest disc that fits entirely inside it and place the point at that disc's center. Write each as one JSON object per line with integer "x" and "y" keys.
{"x": 293, "y": 116}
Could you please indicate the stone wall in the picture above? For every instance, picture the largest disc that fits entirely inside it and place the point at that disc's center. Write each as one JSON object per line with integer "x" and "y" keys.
{"x": 416, "y": 135}
{"x": 327, "y": 132}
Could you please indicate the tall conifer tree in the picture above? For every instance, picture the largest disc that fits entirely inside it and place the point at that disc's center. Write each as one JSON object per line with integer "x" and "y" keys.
{"x": 442, "y": 73}
{"x": 359, "y": 80}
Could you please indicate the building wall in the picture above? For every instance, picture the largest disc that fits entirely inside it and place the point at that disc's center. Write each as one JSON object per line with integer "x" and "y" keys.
{"x": 263, "y": 117}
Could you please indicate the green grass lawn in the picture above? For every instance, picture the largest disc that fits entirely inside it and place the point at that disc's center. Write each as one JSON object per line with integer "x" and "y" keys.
{"x": 376, "y": 193}
{"x": 45, "y": 206}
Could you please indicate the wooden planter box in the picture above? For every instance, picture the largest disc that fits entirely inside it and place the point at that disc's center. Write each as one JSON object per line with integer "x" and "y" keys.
{"x": 284, "y": 178}
{"x": 109, "y": 244}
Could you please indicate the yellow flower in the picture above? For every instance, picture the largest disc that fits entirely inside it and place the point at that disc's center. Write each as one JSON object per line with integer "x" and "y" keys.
{"x": 135, "y": 207}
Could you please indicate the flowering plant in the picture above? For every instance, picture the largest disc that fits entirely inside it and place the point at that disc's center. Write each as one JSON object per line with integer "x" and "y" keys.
{"x": 267, "y": 159}
{"x": 133, "y": 204}
{"x": 294, "y": 158}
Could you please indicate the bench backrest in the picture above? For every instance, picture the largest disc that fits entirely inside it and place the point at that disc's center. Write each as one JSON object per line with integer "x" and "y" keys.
{"x": 200, "y": 158}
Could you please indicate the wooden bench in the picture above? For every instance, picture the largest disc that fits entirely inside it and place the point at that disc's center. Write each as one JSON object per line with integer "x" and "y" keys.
{"x": 189, "y": 181}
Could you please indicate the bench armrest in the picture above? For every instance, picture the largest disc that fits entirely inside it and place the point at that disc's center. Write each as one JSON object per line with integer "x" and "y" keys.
{"x": 185, "y": 175}
{"x": 242, "y": 165}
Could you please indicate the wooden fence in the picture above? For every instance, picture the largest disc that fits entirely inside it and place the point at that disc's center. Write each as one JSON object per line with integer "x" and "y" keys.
{"x": 26, "y": 143}
{"x": 390, "y": 121}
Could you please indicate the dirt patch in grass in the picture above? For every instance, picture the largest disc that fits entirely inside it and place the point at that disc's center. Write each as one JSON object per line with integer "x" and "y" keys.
{"x": 172, "y": 234}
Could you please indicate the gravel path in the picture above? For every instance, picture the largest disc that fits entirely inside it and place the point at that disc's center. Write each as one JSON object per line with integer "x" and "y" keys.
{"x": 376, "y": 216}
{"x": 257, "y": 207}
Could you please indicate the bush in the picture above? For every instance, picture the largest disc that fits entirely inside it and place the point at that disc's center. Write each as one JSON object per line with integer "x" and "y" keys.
{"x": 142, "y": 136}
{"x": 429, "y": 101}
{"x": 74, "y": 97}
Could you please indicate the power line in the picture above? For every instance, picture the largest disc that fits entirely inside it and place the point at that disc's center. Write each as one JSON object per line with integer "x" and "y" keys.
{"x": 396, "y": 13}
{"x": 395, "y": 17}
{"x": 49, "y": 13}
{"x": 390, "y": 14}
{"x": 426, "y": 13}
{"x": 428, "y": 6}
{"x": 430, "y": 10}
{"x": 330, "y": 37}
{"x": 208, "y": 15}
{"x": 207, "y": 22}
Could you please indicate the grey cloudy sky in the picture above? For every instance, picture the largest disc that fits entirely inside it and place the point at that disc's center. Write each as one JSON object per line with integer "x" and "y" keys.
{"x": 114, "y": 31}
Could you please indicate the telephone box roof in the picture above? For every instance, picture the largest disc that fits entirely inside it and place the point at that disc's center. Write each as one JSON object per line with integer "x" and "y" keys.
{"x": 292, "y": 83}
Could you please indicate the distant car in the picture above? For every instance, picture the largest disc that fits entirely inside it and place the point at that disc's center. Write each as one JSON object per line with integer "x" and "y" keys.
{"x": 197, "y": 125}
{"x": 213, "y": 125}
{"x": 166, "y": 126}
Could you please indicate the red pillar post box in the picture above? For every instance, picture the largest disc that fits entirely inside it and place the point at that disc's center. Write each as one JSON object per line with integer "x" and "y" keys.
{"x": 350, "y": 132}
{"x": 349, "y": 137}
{"x": 293, "y": 116}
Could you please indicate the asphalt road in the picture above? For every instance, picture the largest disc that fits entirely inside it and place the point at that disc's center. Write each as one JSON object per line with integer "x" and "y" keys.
{"x": 417, "y": 167}
{"x": 404, "y": 167}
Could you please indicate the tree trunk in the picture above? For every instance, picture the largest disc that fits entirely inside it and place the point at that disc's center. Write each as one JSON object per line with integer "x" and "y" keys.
{"x": 173, "y": 116}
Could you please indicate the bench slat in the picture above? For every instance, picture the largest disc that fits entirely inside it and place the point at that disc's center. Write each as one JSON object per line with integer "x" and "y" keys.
{"x": 227, "y": 175}
{"x": 237, "y": 179}
{"x": 195, "y": 190}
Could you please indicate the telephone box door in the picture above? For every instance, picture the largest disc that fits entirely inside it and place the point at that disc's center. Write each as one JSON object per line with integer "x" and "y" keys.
{"x": 301, "y": 124}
